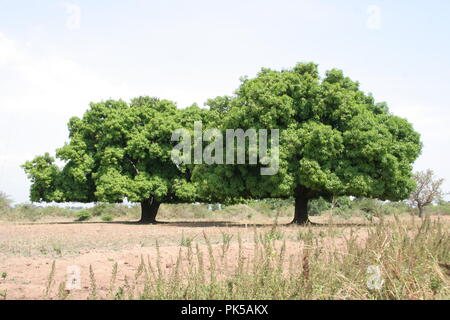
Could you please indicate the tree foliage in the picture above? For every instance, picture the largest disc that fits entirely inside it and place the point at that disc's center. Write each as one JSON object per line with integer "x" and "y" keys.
{"x": 335, "y": 140}
{"x": 116, "y": 151}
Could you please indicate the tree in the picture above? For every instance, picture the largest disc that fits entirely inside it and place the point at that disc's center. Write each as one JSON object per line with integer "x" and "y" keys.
{"x": 116, "y": 151}
{"x": 5, "y": 202}
{"x": 428, "y": 190}
{"x": 334, "y": 141}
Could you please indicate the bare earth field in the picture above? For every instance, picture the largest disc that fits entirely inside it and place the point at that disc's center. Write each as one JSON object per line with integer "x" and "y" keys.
{"x": 27, "y": 251}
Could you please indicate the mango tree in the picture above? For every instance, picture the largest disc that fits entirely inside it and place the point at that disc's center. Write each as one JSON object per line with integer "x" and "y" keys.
{"x": 119, "y": 150}
{"x": 335, "y": 140}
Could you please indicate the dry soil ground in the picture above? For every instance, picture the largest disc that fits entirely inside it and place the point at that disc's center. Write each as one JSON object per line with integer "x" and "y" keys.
{"x": 27, "y": 251}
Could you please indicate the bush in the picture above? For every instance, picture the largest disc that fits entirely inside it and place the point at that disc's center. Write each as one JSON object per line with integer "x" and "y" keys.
{"x": 317, "y": 206}
{"x": 107, "y": 217}
{"x": 344, "y": 203}
{"x": 83, "y": 215}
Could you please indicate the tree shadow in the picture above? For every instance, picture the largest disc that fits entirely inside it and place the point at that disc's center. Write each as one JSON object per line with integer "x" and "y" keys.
{"x": 80, "y": 223}
{"x": 342, "y": 225}
{"x": 212, "y": 224}
{"x": 186, "y": 224}
{"x": 204, "y": 224}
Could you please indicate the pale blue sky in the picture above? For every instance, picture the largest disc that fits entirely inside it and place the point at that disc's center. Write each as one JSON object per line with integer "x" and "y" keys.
{"x": 57, "y": 56}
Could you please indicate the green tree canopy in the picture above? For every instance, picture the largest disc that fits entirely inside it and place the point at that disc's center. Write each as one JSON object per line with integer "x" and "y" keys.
{"x": 116, "y": 151}
{"x": 335, "y": 140}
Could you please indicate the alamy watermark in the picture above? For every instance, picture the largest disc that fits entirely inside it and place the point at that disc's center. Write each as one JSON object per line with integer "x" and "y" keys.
{"x": 373, "y": 21}
{"x": 73, "y": 278}
{"x": 73, "y": 21}
{"x": 240, "y": 146}
{"x": 374, "y": 281}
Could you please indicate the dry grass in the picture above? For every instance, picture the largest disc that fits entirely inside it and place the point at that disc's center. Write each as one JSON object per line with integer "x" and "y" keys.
{"x": 233, "y": 253}
{"x": 188, "y": 261}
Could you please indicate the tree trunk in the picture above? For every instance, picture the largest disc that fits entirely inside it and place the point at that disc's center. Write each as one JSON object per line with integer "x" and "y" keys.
{"x": 420, "y": 211}
{"x": 149, "y": 210}
{"x": 301, "y": 210}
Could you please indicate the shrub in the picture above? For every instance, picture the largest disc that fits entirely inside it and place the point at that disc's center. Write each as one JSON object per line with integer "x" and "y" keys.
{"x": 317, "y": 206}
{"x": 107, "y": 217}
{"x": 83, "y": 215}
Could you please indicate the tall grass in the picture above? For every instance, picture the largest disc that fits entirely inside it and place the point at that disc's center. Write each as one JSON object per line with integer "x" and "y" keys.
{"x": 413, "y": 259}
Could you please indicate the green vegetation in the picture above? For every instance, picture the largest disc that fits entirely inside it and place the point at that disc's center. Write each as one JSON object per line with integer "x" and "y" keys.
{"x": 84, "y": 215}
{"x": 107, "y": 217}
{"x": 268, "y": 209}
{"x": 34, "y": 213}
{"x": 335, "y": 140}
{"x": 116, "y": 151}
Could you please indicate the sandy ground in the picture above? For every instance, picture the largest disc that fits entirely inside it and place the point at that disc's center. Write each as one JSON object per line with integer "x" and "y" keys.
{"x": 27, "y": 251}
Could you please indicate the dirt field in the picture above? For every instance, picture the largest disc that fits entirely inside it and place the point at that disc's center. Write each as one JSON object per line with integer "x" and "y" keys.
{"x": 27, "y": 251}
